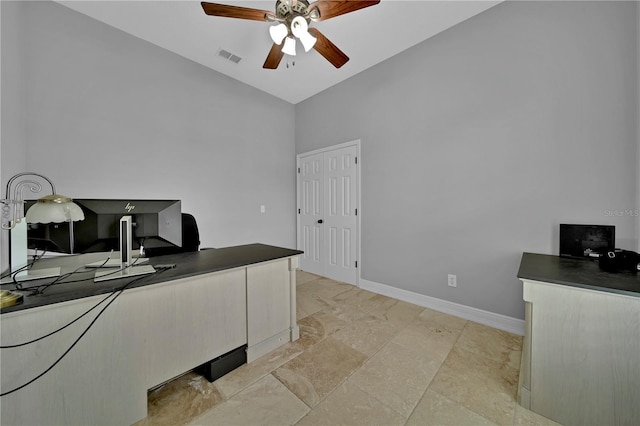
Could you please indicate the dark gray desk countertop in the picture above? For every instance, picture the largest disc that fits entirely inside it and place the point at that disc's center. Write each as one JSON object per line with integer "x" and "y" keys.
{"x": 577, "y": 273}
{"x": 81, "y": 285}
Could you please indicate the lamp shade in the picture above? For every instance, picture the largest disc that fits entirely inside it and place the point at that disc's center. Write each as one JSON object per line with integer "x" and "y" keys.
{"x": 278, "y": 33}
{"x": 289, "y": 46}
{"x": 54, "y": 209}
{"x": 300, "y": 29}
{"x": 308, "y": 41}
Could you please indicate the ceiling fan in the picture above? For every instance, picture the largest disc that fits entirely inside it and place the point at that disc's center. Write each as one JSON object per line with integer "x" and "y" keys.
{"x": 293, "y": 18}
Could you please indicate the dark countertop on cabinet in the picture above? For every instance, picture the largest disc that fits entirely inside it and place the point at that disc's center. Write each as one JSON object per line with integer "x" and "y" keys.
{"x": 81, "y": 285}
{"x": 583, "y": 273}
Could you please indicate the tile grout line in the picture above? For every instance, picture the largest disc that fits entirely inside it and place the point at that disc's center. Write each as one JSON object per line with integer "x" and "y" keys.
{"x": 398, "y": 329}
{"x": 355, "y": 370}
{"x": 456, "y": 402}
{"x": 437, "y": 371}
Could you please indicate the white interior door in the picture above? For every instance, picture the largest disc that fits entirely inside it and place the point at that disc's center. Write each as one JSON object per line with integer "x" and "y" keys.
{"x": 310, "y": 211}
{"x": 328, "y": 199}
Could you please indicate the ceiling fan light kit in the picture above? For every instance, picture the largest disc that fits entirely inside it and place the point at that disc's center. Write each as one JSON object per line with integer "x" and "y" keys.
{"x": 294, "y": 17}
{"x": 278, "y": 33}
{"x": 289, "y": 47}
{"x": 300, "y": 29}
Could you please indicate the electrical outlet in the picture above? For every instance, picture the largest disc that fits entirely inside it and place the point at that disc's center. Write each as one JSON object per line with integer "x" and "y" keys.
{"x": 263, "y": 208}
{"x": 452, "y": 281}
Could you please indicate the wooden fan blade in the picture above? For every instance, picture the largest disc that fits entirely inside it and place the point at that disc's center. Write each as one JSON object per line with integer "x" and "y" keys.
{"x": 327, "y": 49}
{"x": 227, "y": 11}
{"x": 330, "y": 9}
{"x": 274, "y": 57}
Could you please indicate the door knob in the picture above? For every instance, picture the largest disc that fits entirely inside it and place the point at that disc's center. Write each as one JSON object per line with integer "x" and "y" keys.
{"x": 320, "y": 221}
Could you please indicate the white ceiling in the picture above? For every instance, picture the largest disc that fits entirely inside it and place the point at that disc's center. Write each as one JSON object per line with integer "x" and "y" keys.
{"x": 368, "y": 36}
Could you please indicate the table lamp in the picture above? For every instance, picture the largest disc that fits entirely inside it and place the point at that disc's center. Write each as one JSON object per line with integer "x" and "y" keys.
{"x": 52, "y": 208}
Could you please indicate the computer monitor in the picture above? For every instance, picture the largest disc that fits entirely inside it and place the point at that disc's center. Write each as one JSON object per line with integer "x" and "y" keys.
{"x": 50, "y": 237}
{"x": 155, "y": 223}
{"x": 586, "y": 241}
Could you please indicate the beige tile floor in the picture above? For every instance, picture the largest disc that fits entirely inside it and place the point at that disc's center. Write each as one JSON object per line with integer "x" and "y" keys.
{"x": 362, "y": 359}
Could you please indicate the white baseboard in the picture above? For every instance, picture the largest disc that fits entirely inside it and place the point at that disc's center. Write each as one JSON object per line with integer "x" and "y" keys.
{"x": 501, "y": 322}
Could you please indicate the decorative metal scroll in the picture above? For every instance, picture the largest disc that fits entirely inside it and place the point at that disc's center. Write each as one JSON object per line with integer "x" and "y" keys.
{"x": 13, "y": 204}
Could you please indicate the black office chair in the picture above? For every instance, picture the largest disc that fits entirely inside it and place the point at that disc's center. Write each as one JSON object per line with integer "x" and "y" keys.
{"x": 190, "y": 239}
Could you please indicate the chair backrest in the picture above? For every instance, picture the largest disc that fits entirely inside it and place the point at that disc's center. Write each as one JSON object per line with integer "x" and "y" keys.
{"x": 190, "y": 234}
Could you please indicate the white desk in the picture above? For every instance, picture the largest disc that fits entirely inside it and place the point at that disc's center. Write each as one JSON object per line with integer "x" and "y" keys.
{"x": 150, "y": 334}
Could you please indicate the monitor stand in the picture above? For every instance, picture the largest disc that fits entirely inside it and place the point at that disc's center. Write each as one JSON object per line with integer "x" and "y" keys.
{"x": 127, "y": 267}
{"x": 32, "y": 274}
{"x": 115, "y": 263}
{"x": 125, "y": 272}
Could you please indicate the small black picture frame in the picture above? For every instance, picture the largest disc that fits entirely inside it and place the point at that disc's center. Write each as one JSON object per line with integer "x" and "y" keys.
{"x": 586, "y": 241}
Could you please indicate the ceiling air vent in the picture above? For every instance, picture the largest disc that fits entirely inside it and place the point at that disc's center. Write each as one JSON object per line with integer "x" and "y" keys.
{"x": 229, "y": 56}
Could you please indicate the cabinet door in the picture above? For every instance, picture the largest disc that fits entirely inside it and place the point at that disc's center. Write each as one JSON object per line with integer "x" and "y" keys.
{"x": 194, "y": 320}
{"x": 268, "y": 300}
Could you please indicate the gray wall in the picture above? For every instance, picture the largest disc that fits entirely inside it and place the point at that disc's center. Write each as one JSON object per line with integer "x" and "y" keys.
{"x": 478, "y": 142}
{"x": 111, "y": 116}
{"x": 638, "y": 122}
{"x": 13, "y": 155}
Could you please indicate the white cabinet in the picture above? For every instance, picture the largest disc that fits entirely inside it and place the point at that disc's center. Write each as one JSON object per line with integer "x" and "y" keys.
{"x": 581, "y": 360}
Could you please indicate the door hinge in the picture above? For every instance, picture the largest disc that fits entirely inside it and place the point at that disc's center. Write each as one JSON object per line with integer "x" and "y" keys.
{"x": 298, "y": 170}
{"x": 356, "y": 212}
{"x": 298, "y": 211}
{"x": 356, "y": 263}
{"x": 356, "y": 160}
